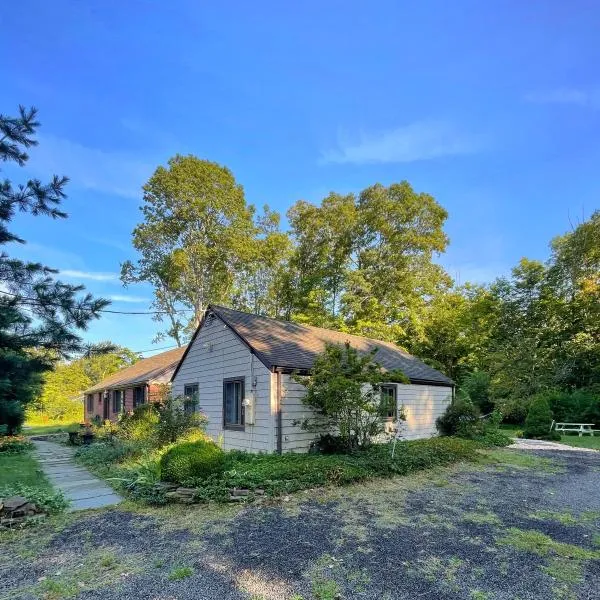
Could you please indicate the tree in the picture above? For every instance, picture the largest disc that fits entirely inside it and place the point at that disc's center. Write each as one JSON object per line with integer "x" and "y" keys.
{"x": 39, "y": 316}
{"x": 365, "y": 264}
{"x": 539, "y": 419}
{"x": 198, "y": 239}
{"x": 344, "y": 393}
{"x": 61, "y": 393}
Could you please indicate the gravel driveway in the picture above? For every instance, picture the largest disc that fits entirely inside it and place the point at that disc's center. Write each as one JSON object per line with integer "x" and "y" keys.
{"x": 519, "y": 525}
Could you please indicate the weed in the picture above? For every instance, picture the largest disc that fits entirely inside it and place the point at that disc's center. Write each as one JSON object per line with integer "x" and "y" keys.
{"x": 479, "y": 595}
{"x": 56, "y": 589}
{"x": 325, "y": 589}
{"x": 566, "y": 518}
{"x": 543, "y": 545}
{"x": 482, "y": 518}
{"x": 180, "y": 573}
{"x": 563, "y": 569}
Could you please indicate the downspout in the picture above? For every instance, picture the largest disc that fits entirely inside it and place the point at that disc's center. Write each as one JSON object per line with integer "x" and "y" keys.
{"x": 278, "y": 413}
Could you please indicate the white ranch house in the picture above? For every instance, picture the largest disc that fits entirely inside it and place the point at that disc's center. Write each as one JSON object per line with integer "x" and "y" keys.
{"x": 238, "y": 367}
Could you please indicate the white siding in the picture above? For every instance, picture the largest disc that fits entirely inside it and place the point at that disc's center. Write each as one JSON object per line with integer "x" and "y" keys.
{"x": 423, "y": 404}
{"x": 293, "y": 412}
{"x": 217, "y": 353}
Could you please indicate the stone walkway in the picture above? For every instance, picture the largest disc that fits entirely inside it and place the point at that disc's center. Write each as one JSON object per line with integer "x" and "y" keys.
{"x": 523, "y": 444}
{"x": 83, "y": 489}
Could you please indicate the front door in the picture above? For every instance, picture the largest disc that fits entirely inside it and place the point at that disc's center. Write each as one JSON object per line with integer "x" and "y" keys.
{"x": 106, "y": 401}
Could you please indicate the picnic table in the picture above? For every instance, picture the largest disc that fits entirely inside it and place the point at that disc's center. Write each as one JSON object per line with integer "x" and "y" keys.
{"x": 580, "y": 428}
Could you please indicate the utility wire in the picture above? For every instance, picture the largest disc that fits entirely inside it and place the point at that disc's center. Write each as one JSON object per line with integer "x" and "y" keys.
{"x": 38, "y": 302}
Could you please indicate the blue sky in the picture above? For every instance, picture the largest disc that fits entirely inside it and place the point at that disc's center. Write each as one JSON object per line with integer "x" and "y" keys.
{"x": 492, "y": 107}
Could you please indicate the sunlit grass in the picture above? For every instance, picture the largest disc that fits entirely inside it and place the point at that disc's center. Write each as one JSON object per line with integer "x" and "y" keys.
{"x": 47, "y": 429}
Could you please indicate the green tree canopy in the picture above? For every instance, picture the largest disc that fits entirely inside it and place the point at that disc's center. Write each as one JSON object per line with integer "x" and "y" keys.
{"x": 39, "y": 315}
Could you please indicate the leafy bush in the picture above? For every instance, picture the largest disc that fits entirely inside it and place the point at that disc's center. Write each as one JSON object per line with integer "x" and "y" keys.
{"x": 539, "y": 419}
{"x": 15, "y": 445}
{"x": 329, "y": 444}
{"x": 49, "y": 500}
{"x": 460, "y": 418}
{"x": 344, "y": 393}
{"x": 140, "y": 425}
{"x": 174, "y": 422}
{"x": 101, "y": 455}
{"x": 493, "y": 438}
{"x": 515, "y": 409}
{"x": 476, "y": 386}
{"x": 578, "y": 406}
{"x": 191, "y": 460}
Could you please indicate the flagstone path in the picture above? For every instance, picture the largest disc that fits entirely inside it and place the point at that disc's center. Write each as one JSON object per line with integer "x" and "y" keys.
{"x": 83, "y": 489}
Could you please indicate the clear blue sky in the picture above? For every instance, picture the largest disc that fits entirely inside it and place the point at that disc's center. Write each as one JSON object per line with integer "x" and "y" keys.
{"x": 493, "y": 107}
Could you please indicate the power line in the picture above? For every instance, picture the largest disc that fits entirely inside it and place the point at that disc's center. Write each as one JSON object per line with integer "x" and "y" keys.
{"x": 38, "y": 302}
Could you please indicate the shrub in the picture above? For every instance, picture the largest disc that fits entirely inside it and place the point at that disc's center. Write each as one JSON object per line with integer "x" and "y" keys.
{"x": 174, "y": 422}
{"x": 191, "y": 460}
{"x": 476, "y": 386}
{"x": 15, "y": 445}
{"x": 344, "y": 393}
{"x": 140, "y": 425}
{"x": 539, "y": 419}
{"x": 460, "y": 419}
{"x": 12, "y": 415}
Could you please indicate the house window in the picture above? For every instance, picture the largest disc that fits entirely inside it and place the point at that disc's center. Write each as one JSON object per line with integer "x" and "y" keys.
{"x": 190, "y": 398}
{"x": 117, "y": 397}
{"x": 90, "y": 403}
{"x": 389, "y": 404}
{"x": 233, "y": 403}
{"x": 138, "y": 396}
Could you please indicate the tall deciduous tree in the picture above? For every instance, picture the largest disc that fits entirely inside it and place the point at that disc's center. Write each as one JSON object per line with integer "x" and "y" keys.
{"x": 39, "y": 316}
{"x": 366, "y": 263}
{"x": 197, "y": 235}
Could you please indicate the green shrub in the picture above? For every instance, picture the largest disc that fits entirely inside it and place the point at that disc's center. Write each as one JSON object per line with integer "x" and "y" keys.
{"x": 103, "y": 454}
{"x": 461, "y": 418}
{"x": 476, "y": 386}
{"x": 15, "y": 445}
{"x": 12, "y": 415}
{"x": 175, "y": 423}
{"x": 494, "y": 438}
{"x": 140, "y": 425}
{"x": 49, "y": 500}
{"x": 578, "y": 406}
{"x": 539, "y": 419}
{"x": 191, "y": 460}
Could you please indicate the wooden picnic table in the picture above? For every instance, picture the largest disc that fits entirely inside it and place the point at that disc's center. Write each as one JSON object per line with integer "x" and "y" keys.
{"x": 579, "y": 428}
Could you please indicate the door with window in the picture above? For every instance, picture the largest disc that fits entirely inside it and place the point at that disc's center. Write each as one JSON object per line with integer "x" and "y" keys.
{"x": 138, "y": 396}
{"x": 106, "y": 411}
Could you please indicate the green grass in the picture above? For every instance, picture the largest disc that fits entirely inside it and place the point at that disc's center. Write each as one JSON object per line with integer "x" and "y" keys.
{"x": 539, "y": 543}
{"x": 30, "y": 430}
{"x": 586, "y": 441}
{"x": 510, "y": 429}
{"x": 21, "y": 469}
{"x": 180, "y": 573}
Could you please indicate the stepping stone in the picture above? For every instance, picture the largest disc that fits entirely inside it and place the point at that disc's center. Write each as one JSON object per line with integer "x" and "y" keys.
{"x": 84, "y": 490}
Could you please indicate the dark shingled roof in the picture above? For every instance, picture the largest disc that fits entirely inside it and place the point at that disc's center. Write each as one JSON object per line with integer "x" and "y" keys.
{"x": 142, "y": 371}
{"x": 293, "y": 346}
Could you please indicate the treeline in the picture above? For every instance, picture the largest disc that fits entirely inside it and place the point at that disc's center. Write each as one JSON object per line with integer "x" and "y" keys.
{"x": 366, "y": 263}
{"x": 60, "y": 397}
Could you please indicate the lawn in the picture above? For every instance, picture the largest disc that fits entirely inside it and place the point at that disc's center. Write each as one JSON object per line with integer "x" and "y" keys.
{"x": 585, "y": 441}
{"x": 37, "y": 429}
{"x": 21, "y": 469}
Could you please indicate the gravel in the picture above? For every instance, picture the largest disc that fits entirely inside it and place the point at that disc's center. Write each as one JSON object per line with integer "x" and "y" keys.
{"x": 438, "y": 536}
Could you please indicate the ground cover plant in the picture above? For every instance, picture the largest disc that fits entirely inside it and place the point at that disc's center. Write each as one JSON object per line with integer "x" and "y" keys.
{"x": 20, "y": 475}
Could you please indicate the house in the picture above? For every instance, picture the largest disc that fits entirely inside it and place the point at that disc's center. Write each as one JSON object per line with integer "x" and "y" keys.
{"x": 238, "y": 367}
{"x": 124, "y": 390}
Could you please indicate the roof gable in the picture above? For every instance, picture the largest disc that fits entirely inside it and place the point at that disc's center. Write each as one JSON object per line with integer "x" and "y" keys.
{"x": 287, "y": 345}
